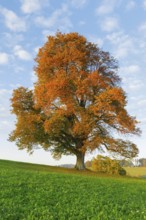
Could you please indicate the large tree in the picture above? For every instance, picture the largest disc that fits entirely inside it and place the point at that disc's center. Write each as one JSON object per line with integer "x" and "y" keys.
{"x": 77, "y": 103}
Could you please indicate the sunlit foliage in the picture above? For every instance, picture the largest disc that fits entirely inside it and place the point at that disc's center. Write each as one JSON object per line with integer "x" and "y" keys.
{"x": 77, "y": 103}
{"x": 105, "y": 164}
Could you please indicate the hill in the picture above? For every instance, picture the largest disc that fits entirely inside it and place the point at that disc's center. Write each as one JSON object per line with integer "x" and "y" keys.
{"x": 67, "y": 165}
{"x": 29, "y": 191}
{"x": 136, "y": 171}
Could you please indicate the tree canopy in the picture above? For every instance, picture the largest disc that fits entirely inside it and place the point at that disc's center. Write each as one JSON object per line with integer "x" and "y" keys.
{"x": 77, "y": 103}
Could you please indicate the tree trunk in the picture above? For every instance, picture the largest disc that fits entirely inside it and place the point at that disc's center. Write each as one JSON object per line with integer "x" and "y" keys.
{"x": 80, "y": 161}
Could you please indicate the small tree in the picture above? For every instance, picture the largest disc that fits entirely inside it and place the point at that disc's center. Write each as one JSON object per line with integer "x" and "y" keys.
{"x": 107, "y": 165}
{"x": 76, "y": 104}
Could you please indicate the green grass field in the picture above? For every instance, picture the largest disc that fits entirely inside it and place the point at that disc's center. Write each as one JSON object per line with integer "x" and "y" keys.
{"x": 37, "y": 192}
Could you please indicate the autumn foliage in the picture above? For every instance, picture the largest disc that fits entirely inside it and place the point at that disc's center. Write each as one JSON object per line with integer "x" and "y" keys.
{"x": 77, "y": 103}
{"x": 107, "y": 165}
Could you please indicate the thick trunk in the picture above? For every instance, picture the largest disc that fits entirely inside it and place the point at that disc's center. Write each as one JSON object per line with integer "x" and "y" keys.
{"x": 80, "y": 161}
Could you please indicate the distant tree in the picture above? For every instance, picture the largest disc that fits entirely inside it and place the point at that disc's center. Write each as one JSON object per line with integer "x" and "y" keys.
{"x": 136, "y": 162}
{"x": 142, "y": 162}
{"x": 126, "y": 163}
{"x": 76, "y": 103}
{"x": 107, "y": 165}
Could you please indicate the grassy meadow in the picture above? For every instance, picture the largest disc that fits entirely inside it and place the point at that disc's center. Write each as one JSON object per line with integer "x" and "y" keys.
{"x": 136, "y": 171}
{"x": 38, "y": 192}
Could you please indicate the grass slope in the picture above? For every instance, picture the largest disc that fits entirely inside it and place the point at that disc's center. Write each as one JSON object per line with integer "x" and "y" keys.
{"x": 37, "y": 192}
{"x": 136, "y": 171}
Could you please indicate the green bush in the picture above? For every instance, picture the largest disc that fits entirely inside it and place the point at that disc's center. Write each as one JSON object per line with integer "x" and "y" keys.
{"x": 107, "y": 165}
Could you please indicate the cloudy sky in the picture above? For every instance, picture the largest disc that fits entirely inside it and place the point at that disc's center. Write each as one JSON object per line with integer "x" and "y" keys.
{"x": 116, "y": 26}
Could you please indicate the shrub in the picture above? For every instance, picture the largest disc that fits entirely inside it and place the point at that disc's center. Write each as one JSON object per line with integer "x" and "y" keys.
{"x": 107, "y": 165}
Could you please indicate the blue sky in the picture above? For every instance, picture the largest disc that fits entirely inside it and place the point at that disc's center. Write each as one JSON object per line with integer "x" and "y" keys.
{"x": 116, "y": 26}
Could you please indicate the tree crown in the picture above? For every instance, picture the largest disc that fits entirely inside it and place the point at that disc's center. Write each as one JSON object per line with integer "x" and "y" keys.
{"x": 77, "y": 103}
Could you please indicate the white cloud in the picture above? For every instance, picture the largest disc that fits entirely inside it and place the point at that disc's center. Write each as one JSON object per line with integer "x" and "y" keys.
{"x": 7, "y": 125}
{"x": 81, "y": 23}
{"x": 142, "y": 102}
{"x": 143, "y": 121}
{"x": 109, "y": 24}
{"x": 143, "y": 27}
{"x": 96, "y": 40}
{"x": 115, "y": 38}
{"x": 33, "y": 77}
{"x": 18, "y": 69}
{"x": 136, "y": 85}
{"x": 130, "y": 5}
{"x": 144, "y": 4}
{"x": 6, "y": 118}
{"x": 11, "y": 38}
{"x": 4, "y": 58}
{"x": 36, "y": 49}
{"x": 130, "y": 69}
{"x": 123, "y": 44}
{"x": 59, "y": 19}
{"x": 106, "y": 7}
{"x": 4, "y": 103}
{"x": 5, "y": 122}
{"x": 121, "y": 52}
{"x": 14, "y": 86}
{"x": 47, "y": 33}
{"x": 78, "y": 3}
{"x": 12, "y": 21}
{"x": 31, "y": 6}
{"x": 4, "y": 92}
{"x": 21, "y": 53}
{"x": 2, "y": 109}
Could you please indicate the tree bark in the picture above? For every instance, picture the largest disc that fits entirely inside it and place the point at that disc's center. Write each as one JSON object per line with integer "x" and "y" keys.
{"x": 80, "y": 165}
